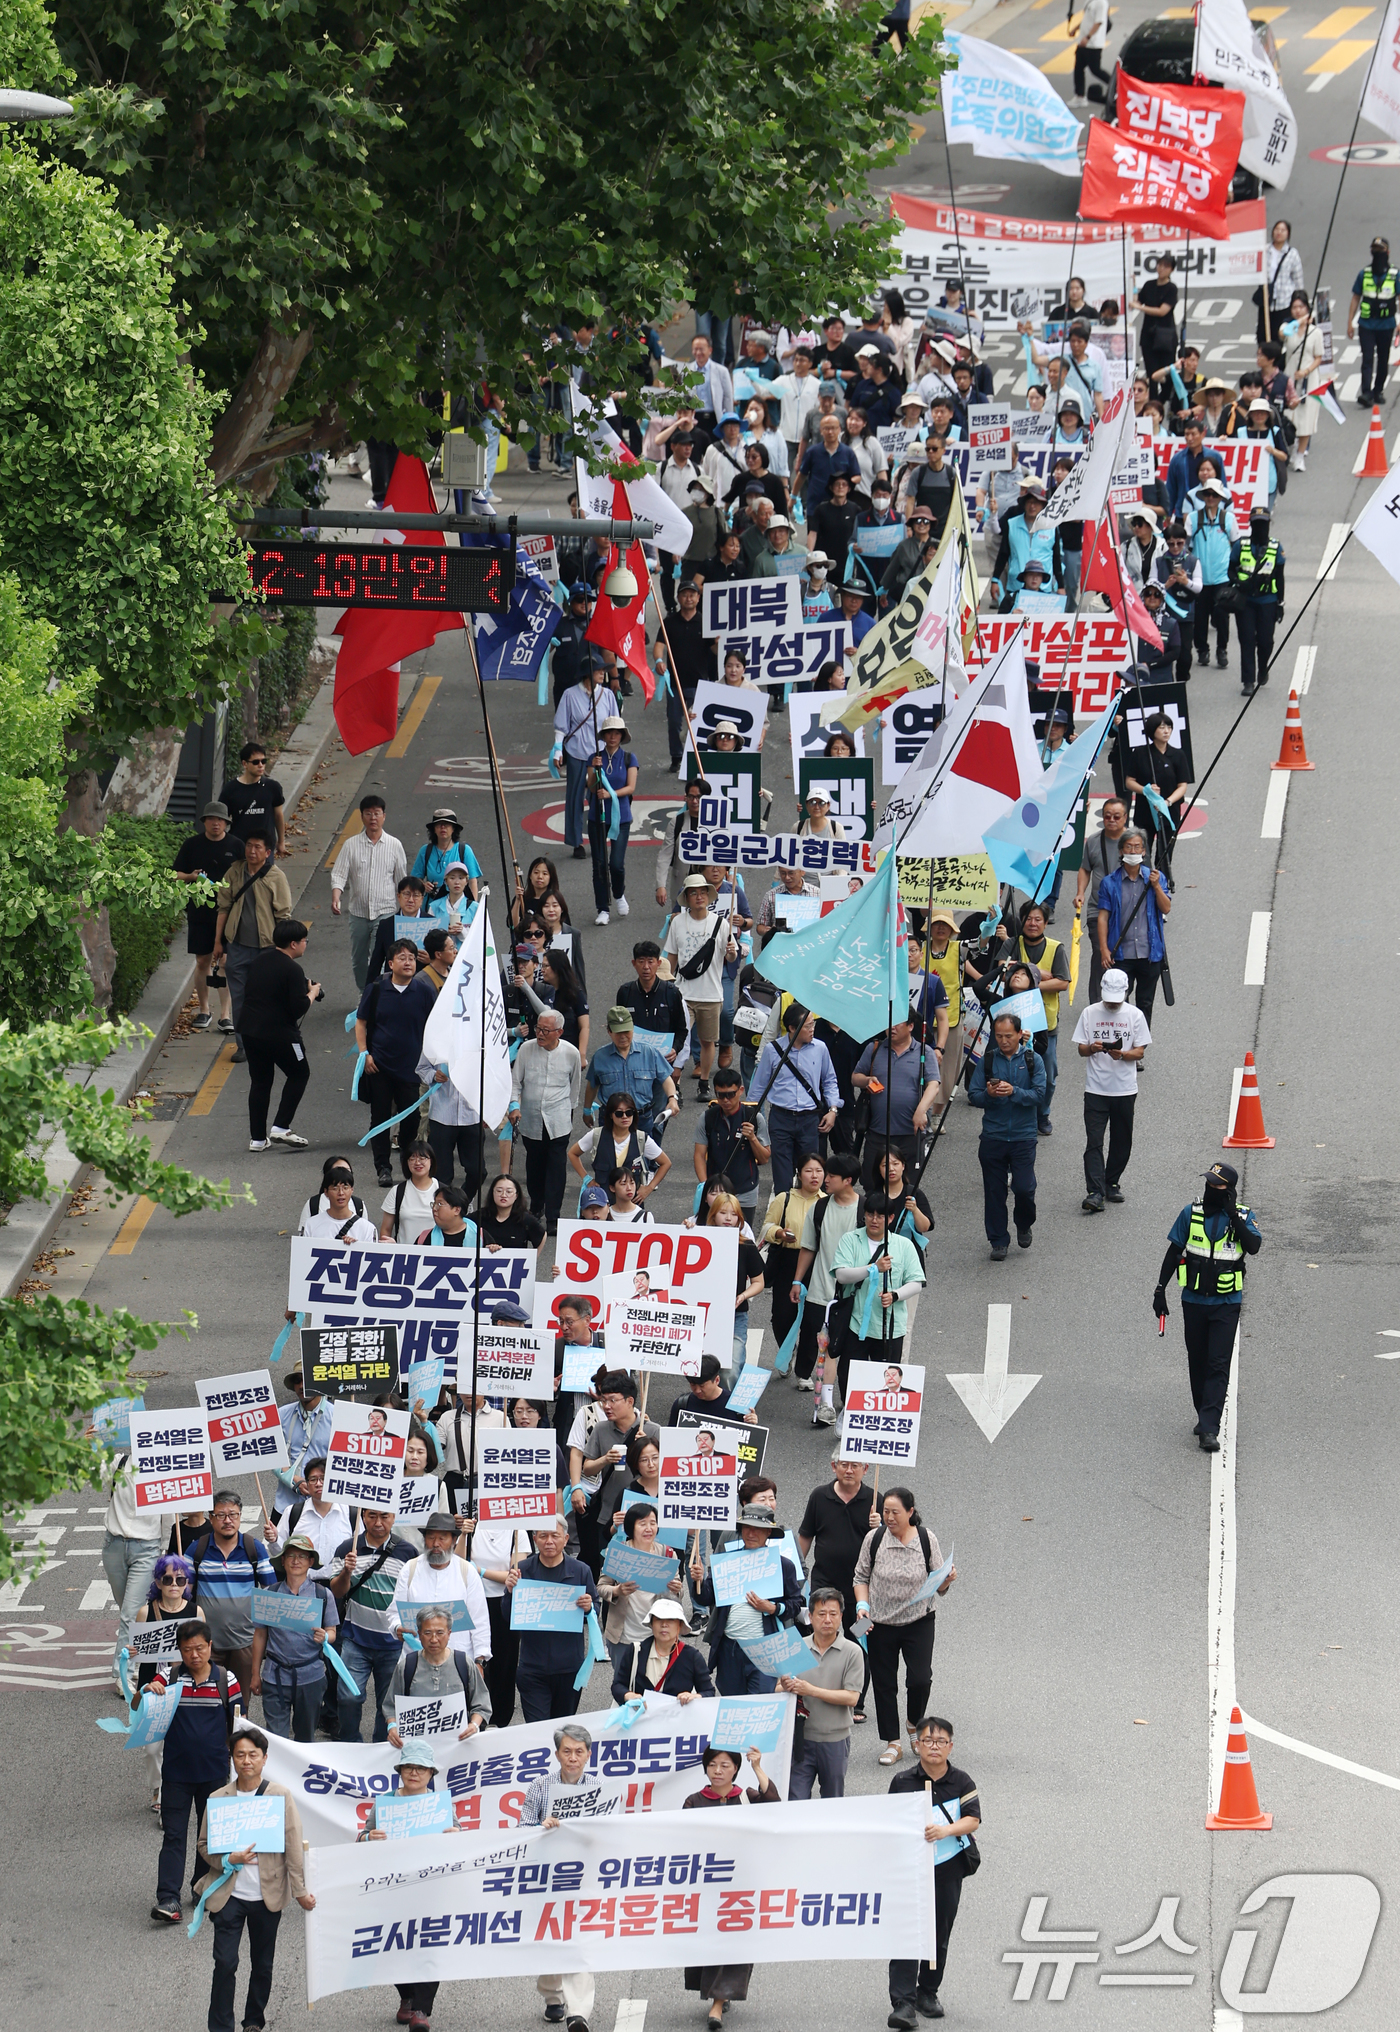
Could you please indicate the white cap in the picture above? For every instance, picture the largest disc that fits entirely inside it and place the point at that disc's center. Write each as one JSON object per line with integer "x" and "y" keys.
{"x": 779, "y": 522}
{"x": 1114, "y": 987}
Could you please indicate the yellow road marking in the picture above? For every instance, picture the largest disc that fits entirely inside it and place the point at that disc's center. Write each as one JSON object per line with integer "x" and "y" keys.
{"x": 1266, "y": 14}
{"x": 1064, "y": 31}
{"x": 351, "y": 826}
{"x": 215, "y": 1080}
{"x": 1340, "y": 57}
{"x": 1057, "y": 65}
{"x": 133, "y": 1227}
{"x": 413, "y": 719}
{"x": 1340, "y": 22}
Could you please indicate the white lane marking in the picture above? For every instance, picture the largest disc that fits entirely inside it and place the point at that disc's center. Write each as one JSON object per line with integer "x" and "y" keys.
{"x": 1319, "y": 84}
{"x": 97, "y": 1596}
{"x": 994, "y": 1396}
{"x": 631, "y": 2014}
{"x": 1220, "y": 1621}
{"x": 1226, "y": 2020}
{"x": 1257, "y": 1728}
{"x": 1256, "y": 955}
{"x": 1303, "y": 668}
{"x": 1274, "y": 802}
{"x": 1235, "y": 1084}
{"x": 1336, "y": 537}
{"x": 1389, "y": 1333}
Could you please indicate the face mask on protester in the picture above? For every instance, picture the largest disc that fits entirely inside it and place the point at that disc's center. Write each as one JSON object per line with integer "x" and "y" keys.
{"x": 1131, "y": 860}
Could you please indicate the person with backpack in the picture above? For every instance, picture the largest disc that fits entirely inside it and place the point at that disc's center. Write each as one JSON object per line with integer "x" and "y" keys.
{"x": 440, "y": 1574}
{"x": 325, "y": 1523}
{"x": 698, "y": 943}
{"x": 289, "y": 1665}
{"x": 336, "y": 1212}
{"x": 440, "y": 1670}
{"x": 879, "y": 1271}
{"x": 732, "y": 1146}
{"x": 253, "y": 898}
{"x": 895, "y": 1561}
{"x": 389, "y": 1024}
{"x": 196, "y": 1753}
{"x": 1008, "y": 1083}
{"x": 408, "y": 1206}
{"x": 367, "y": 1568}
{"x": 914, "y": 1985}
{"x": 228, "y": 1563}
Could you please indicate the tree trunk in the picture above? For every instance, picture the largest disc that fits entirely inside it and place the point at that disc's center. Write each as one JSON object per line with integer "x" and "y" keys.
{"x": 142, "y": 781}
{"x": 248, "y": 418}
{"x": 86, "y": 813}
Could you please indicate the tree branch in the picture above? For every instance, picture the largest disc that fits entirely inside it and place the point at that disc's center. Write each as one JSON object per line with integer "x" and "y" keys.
{"x": 239, "y": 432}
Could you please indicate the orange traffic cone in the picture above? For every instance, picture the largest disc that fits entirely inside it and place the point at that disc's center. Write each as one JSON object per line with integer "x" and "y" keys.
{"x": 1373, "y": 466}
{"x": 1246, "y": 1132}
{"x": 1292, "y": 753}
{"x": 1239, "y": 1802}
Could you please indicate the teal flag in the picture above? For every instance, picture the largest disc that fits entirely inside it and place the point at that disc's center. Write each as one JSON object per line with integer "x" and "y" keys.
{"x": 1024, "y": 841}
{"x": 851, "y": 966}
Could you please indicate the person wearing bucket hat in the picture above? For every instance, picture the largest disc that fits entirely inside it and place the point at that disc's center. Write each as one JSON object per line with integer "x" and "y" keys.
{"x": 210, "y": 853}
{"x": 757, "y": 1615}
{"x": 1211, "y": 531}
{"x": 443, "y": 846}
{"x": 698, "y": 943}
{"x": 664, "y": 1662}
{"x": 289, "y": 1668}
{"x": 610, "y": 786}
{"x": 440, "y": 1574}
{"x": 1206, "y": 1248}
{"x": 416, "y": 1768}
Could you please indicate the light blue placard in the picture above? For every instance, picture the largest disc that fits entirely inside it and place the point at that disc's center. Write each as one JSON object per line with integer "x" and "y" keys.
{"x": 795, "y": 911}
{"x": 1028, "y": 1008}
{"x": 245, "y": 1821}
{"x": 783, "y": 1652}
{"x": 749, "y": 1385}
{"x": 408, "y": 1608}
{"x": 425, "y": 1813}
{"x": 276, "y": 1611}
{"x": 1039, "y": 603}
{"x": 153, "y": 1717}
{"x": 950, "y": 1845}
{"x": 415, "y": 928}
{"x": 749, "y": 1721}
{"x": 660, "y": 1040}
{"x": 934, "y": 1582}
{"x": 579, "y": 1367}
{"x": 737, "y": 1574}
{"x": 674, "y": 1535}
{"x": 425, "y": 1380}
{"x": 882, "y": 540}
{"x": 112, "y": 1422}
{"x": 544, "y": 1605}
{"x": 789, "y": 563}
{"x": 650, "y": 1571}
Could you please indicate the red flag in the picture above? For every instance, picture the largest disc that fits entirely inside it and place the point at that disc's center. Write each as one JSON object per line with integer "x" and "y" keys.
{"x": 374, "y": 641}
{"x": 1192, "y": 117}
{"x": 623, "y": 629}
{"x": 1103, "y": 572}
{"x": 1149, "y": 182}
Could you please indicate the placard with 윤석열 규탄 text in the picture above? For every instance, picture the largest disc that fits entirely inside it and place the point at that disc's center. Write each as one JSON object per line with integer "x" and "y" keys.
{"x": 349, "y": 1361}
{"x": 430, "y": 1714}
{"x": 171, "y": 1467}
{"x": 516, "y": 1474}
{"x": 881, "y": 1418}
{"x": 364, "y": 1455}
{"x": 245, "y": 1432}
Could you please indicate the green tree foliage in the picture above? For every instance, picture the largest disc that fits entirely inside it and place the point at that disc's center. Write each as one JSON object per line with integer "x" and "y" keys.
{"x": 28, "y": 60}
{"x": 364, "y": 198}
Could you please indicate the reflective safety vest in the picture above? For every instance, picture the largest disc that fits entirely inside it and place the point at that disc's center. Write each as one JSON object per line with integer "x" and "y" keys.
{"x": 1214, "y": 1269}
{"x": 1264, "y": 586}
{"x": 1378, "y": 297}
{"x": 948, "y": 967}
{"x": 1024, "y": 542}
{"x": 1046, "y": 965}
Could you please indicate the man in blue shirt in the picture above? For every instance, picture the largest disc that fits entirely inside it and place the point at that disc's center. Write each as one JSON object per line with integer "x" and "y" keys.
{"x": 1009, "y": 1084}
{"x": 797, "y": 1082}
{"x": 550, "y": 1659}
{"x": 858, "y": 622}
{"x": 624, "y": 1065}
{"x": 306, "y": 1426}
{"x": 1208, "y": 1243}
{"x": 827, "y": 456}
{"x": 389, "y": 1026}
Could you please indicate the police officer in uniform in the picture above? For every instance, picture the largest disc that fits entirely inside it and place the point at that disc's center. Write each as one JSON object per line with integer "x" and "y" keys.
{"x": 1373, "y": 295}
{"x": 1256, "y": 569}
{"x": 1207, "y": 1247}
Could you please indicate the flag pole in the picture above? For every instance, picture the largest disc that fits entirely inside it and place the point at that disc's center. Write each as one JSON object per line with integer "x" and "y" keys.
{"x": 498, "y": 789}
{"x": 481, "y": 1130}
{"x": 1346, "y": 165}
{"x": 957, "y": 237}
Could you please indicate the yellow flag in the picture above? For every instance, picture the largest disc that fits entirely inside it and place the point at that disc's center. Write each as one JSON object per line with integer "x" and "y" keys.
{"x": 882, "y": 667}
{"x": 1074, "y": 957}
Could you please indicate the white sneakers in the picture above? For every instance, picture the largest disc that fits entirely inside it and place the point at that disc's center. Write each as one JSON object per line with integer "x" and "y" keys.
{"x": 288, "y": 1138}
{"x": 255, "y": 1145}
{"x": 622, "y": 906}
{"x": 601, "y": 918}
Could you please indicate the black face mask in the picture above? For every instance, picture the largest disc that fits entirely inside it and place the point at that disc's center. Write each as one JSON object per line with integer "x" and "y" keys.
{"x": 1214, "y": 1199}
{"x": 1259, "y": 533}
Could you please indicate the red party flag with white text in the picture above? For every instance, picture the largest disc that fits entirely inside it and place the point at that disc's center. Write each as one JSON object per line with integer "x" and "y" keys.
{"x": 1128, "y": 178}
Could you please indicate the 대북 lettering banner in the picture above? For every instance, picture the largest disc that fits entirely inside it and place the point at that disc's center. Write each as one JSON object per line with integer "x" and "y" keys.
{"x": 656, "y": 1764}
{"x": 429, "y": 1294}
{"x": 751, "y": 607}
{"x": 516, "y": 1473}
{"x": 244, "y": 1430}
{"x": 699, "y": 1472}
{"x": 170, "y": 1464}
{"x": 881, "y": 1418}
{"x": 692, "y": 1265}
{"x": 835, "y": 1880}
{"x": 364, "y": 1458}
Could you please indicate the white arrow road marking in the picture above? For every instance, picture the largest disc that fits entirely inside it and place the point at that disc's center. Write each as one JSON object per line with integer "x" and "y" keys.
{"x": 994, "y": 1396}
{"x": 631, "y": 2014}
{"x": 1389, "y": 1333}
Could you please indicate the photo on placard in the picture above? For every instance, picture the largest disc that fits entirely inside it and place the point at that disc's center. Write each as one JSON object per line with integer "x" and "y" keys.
{"x": 884, "y": 1401}
{"x": 699, "y": 1476}
{"x": 1141, "y": 704}
{"x": 365, "y": 1455}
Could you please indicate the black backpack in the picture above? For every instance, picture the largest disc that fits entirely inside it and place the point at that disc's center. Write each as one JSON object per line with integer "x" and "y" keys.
{"x": 925, "y": 1545}
{"x": 313, "y": 1206}
{"x": 464, "y": 1670}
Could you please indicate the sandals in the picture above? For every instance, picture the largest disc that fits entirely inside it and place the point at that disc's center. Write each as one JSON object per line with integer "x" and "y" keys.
{"x": 891, "y": 1753}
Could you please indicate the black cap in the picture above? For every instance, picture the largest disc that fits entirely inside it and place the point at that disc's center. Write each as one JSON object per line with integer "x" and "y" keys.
{"x": 1223, "y": 1177}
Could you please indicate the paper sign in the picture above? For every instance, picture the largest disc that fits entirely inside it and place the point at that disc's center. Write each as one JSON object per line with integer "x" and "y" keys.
{"x": 418, "y": 1498}
{"x": 989, "y": 436}
{"x": 583, "y": 1802}
{"x": 415, "y": 929}
{"x": 170, "y": 1463}
{"x": 949, "y": 1846}
{"x": 245, "y": 1432}
{"x": 364, "y": 1457}
{"x": 517, "y": 1472}
{"x": 812, "y": 723}
{"x": 274, "y": 1610}
{"x": 545, "y": 1605}
{"x": 781, "y": 1653}
{"x": 247, "y": 1821}
{"x": 1028, "y": 1008}
{"x": 424, "y": 1813}
{"x": 349, "y": 1361}
{"x": 850, "y": 783}
{"x": 957, "y": 881}
{"x": 935, "y": 1580}
{"x": 1039, "y": 603}
{"x": 879, "y": 539}
{"x": 653, "y": 1572}
{"x": 699, "y": 1471}
{"x": 513, "y": 1361}
{"x": 881, "y": 1418}
{"x": 736, "y": 1575}
{"x": 112, "y": 1422}
{"x": 744, "y": 709}
{"x": 581, "y": 1365}
{"x": 407, "y": 1609}
{"x": 751, "y": 607}
{"x": 678, "y": 1538}
{"x": 650, "y": 1334}
{"x": 798, "y": 658}
{"x": 749, "y": 1721}
{"x": 750, "y": 1442}
{"x": 748, "y": 1386}
{"x": 425, "y": 1380}
{"x": 438, "y": 1714}
{"x": 151, "y": 1641}
{"x": 154, "y": 1714}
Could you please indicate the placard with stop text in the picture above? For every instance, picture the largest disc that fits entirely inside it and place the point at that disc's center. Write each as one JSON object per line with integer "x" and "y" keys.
{"x": 881, "y": 1419}
{"x": 245, "y": 1432}
{"x": 364, "y": 1459}
{"x": 693, "y": 1265}
{"x": 699, "y": 1482}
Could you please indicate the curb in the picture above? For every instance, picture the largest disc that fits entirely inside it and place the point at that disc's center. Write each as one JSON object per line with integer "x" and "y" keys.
{"x": 34, "y": 1223}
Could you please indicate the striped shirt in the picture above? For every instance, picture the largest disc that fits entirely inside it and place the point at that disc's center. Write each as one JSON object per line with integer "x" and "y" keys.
{"x": 369, "y": 872}
{"x": 224, "y": 1584}
{"x": 368, "y": 1603}
{"x": 541, "y": 1793}
{"x": 204, "y": 1689}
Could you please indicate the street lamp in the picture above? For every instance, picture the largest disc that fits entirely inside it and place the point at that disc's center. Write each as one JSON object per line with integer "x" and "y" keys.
{"x": 19, "y": 108}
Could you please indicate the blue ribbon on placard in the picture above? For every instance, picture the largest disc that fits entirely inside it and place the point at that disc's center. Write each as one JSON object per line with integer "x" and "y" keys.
{"x": 333, "y": 1659}
{"x": 192, "y": 1929}
{"x": 699, "y": 1195}
{"x": 782, "y": 1361}
{"x": 596, "y": 1654}
{"x": 379, "y": 1127}
{"x": 355, "y": 1082}
{"x": 281, "y": 1341}
{"x": 112, "y": 1726}
{"x": 627, "y": 1716}
{"x": 122, "y": 1656}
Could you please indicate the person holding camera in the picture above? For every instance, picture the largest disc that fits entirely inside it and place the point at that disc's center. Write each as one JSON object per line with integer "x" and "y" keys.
{"x": 275, "y": 999}
{"x": 1208, "y": 1243}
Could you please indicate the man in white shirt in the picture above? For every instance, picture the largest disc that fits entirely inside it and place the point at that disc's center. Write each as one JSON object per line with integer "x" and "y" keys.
{"x": 797, "y": 393}
{"x": 702, "y": 992}
{"x": 577, "y": 718}
{"x": 1112, "y": 1035}
{"x": 440, "y": 1575}
{"x": 370, "y": 866}
{"x": 716, "y": 392}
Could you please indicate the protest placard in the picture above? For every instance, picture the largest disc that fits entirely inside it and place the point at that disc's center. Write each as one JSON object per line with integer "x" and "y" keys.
{"x": 415, "y": 929}
{"x": 782, "y": 1652}
{"x": 935, "y": 1581}
{"x": 438, "y": 1714}
{"x": 588, "y": 1801}
{"x": 1028, "y": 1008}
{"x": 272, "y": 1610}
{"x": 653, "y": 1572}
{"x": 743, "y": 708}
{"x": 699, "y": 1470}
{"x": 349, "y": 1361}
{"x": 152, "y": 1641}
{"x": 738, "y": 847}
{"x": 429, "y": 1294}
{"x": 750, "y": 1442}
{"x": 171, "y": 1467}
{"x": 690, "y": 1264}
{"x": 844, "y": 1880}
{"x": 418, "y": 1498}
{"x": 512, "y": 1361}
{"x": 748, "y": 1386}
{"x": 247, "y": 1820}
{"x": 989, "y": 436}
{"x": 154, "y": 1714}
{"x": 650, "y": 1333}
{"x": 364, "y": 1459}
{"x": 750, "y": 1721}
{"x": 812, "y": 724}
{"x": 402, "y": 1819}
{"x": 789, "y": 659}
{"x": 736, "y": 1575}
{"x": 544, "y": 1605}
{"x": 516, "y": 1472}
{"x": 112, "y": 1422}
{"x": 958, "y": 882}
{"x": 751, "y": 607}
{"x": 850, "y": 784}
{"x": 245, "y": 1432}
{"x": 881, "y": 1418}
{"x": 424, "y": 1381}
{"x": 405, "y": 1616}
{"x": 735, "y": 787}
{"x": 907, "y": 726}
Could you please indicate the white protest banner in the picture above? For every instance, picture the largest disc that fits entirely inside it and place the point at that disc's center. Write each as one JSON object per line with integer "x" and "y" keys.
{"x": 171, "y": 1466}
{"x": 651, "y": 1334}
{"x": 881, "y": 1419}
{"x": 744, "y": 708}
{"x": 418, "y": 1498}
{"x": 812, "y": 723}
{"x": 152, "y": 1641}
{"x": 247, "y": 1820}
{"x": 657, "y": 1764}
{"x": 513, "y": 1361}
{"x": 989, "y": 436}
{"x": 798, "y": 658}
{"x": 751, "y": 607}
{"x": 516, "y": 1474}
{"x": 1228, "y": 50}
{"x": 699, "y": 1471}
{"x": 244, "y": 1429}
{"x": 727, "y": 847}
{"x": 693, "y": 1265}
{"x": 437, "y": 1714}
{"x": 364, "y": 1457}
{"x": 834, "y": 1880}
{"x": 429, "y": 1294}
{"x": 1006, "y": 109}
{"x": 1380, "y": 97}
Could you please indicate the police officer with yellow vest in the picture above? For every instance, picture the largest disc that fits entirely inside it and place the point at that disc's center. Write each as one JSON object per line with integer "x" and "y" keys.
{"x": 1256, "y": 571}
{"x": 1207, "y": 1247}
{"x": 1373, "y": 295}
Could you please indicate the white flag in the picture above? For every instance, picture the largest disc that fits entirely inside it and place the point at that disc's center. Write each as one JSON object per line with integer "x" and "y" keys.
{"x": 1006, "y": 108}
{"x": 1081, "y": 495}
{"x": 1228, "y": 50}
{"x": 466, "y": 1030}
{"x": 1380, "y": 97}
{"x": 937, "y": 642}
{"x": 981, "y": 758}
{"x": 1378, "y": 524}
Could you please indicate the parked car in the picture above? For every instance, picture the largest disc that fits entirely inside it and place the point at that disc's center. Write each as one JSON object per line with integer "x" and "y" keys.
{"x": 1159, "y": 52}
